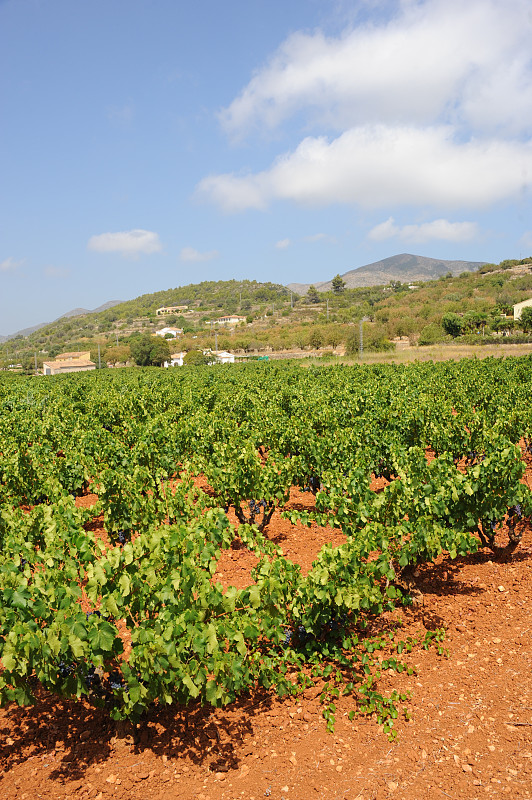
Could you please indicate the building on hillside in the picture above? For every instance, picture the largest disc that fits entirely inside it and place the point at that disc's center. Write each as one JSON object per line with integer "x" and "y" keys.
{"x": 518, "y": 308}
{"x": 220, "y": 356}
{"x": 231, "y": 319}
{"x": 163, "y": 310}
{"x": 224, "y": 357}
{"x": 176, "y": 360}
{"x": 69, "y": 362}
{"x": 170, "y": 332}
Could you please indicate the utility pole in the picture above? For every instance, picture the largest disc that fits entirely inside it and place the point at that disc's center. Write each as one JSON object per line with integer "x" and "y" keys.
{"x": 327, "y": 309}
{"x": 116, "y": 334}
{"x": 36, "y": 363}
{"x": 99, "y": 358}
{"x": 216, "y": 343}
{"x": 361, "y": 345}
{"x": 291, "y": 299}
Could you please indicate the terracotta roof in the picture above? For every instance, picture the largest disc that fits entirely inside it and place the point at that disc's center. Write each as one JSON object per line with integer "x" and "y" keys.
{"x": 74, "y": 355}
{"x": 62, "y": 363}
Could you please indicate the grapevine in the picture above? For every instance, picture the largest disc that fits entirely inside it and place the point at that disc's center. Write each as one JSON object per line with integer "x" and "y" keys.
{"x": 174, "y": 458}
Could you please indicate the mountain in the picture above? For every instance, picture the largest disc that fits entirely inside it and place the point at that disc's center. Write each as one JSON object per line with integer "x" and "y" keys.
{"x": 406, "y": 268}
{"x": 76, "y": 312}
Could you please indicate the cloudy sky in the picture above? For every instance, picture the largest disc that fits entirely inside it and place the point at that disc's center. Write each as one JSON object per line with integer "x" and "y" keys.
{"x": 147, "y": 144}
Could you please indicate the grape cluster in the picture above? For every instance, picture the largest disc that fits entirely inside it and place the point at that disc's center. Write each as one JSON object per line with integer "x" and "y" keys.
{"x": 65, "y": 669}
{"x": 473, "y": 457}
{"x": 90, "y": 613}
{"x": 382, "y": 470}
{"x": 115, "y": 681}
{"x": 255, "y": 506}
{"x": 336, "y": 623}
{"x": 93, "y": 680}
{"x": 300, "y": 635}
{"x": 96, "y": 684}
{"x": 314, "y": 485}
{"x": 514, "y": 513}
{"x": 297, "y": 636}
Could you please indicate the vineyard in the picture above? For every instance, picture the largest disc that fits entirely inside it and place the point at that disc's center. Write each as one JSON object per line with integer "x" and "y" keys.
{"x": 122, "y": 493}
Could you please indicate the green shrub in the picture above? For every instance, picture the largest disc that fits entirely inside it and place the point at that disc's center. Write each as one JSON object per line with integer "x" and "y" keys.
{"x": 432, "y": 334}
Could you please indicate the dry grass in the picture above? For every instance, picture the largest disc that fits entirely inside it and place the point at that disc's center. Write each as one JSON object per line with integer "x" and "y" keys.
{"x": 443, "y": 353}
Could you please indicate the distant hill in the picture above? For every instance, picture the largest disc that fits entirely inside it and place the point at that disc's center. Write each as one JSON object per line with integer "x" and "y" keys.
{"x": 76, "y": 312}
{"x": 205, "y": 299}
{"x": 275, "y": 321}
{"x": 406, "y": 268}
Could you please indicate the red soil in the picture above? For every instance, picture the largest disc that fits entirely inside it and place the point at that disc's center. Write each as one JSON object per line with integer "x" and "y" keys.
{"x": 470, "y": 735}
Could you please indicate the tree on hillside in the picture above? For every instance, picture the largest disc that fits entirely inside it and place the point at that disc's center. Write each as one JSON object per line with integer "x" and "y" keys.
{"x": 474, "y": 321}
{"x": 312, "y": 295}
{"x": 452, "y": 324}
{"x": 150, "y": 351}
{"x": 141, "y": 351}
{"x": 431, "y": 334}
{"x": 526, "y": 319}
{"x": 160, "y": 351}
{"x": 505, "y": 304}
{"x": 316, "y": 338}
{"x": 338, "y": 284}
{"x": 196, "y": 358}
{"x": 334, "y": 335}
{"x": 504, "y": 325}
{"x": 119, "y": 354}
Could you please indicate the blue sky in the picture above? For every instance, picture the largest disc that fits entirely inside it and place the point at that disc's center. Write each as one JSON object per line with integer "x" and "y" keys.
{"x": 147, "y": 144}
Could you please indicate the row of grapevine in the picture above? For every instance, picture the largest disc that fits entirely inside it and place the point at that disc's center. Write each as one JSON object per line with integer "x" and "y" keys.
{"x": 153, "y": 627}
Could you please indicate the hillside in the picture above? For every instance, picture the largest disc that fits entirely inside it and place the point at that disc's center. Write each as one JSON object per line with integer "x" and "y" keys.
{"x": 278, "y": 321}
{"x": 405, "y": 267}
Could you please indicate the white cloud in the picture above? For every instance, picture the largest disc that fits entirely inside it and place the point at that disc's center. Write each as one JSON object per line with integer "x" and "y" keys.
{"x": 10, "y": 264}
{"x": 427, "y": 231}
{"x": 430, "y": 107}
{"x": 434, "y": 61}
{"x": 127, "y": 243}
{"x": 384, "y": 230}
{"x": 190, "y": 254}
{"x": 282, "y": 244}
{"x": 376, "y": 166}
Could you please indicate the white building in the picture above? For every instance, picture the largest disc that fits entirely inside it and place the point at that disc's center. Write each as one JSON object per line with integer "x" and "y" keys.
{"x": 225, "y": 358}
{"x": 176, "y": 360}
{"x": 164, "y": 310}
{"x": 518, "y": 308}
{"x": 231, "y": 319}
{"x": 173, "y": 332}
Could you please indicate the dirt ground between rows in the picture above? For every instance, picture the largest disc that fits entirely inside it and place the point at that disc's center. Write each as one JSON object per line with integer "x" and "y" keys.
{"x": 469, "y": 736}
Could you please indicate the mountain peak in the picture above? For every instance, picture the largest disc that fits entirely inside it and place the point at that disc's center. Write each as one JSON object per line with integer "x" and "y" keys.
{"x": 404, "y": 267}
